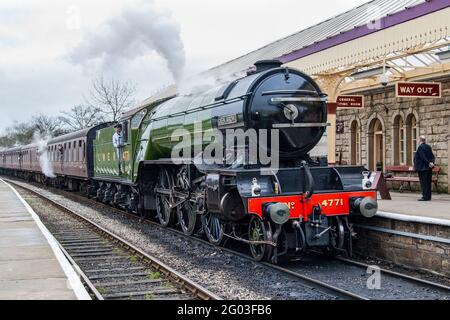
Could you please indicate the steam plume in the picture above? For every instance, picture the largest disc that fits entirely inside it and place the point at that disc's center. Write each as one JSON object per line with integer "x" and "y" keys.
{"x": 42, "y": 153}
{"x": 133, "y": 34}
{"x": 204, "y": 81}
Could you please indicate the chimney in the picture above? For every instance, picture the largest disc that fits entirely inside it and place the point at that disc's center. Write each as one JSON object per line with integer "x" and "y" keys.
{"x": 264, "y": 65}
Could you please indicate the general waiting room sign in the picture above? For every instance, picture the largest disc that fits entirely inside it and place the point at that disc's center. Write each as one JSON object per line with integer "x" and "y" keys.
{"x": 350, "y": 102}
{"x": 418, "y": 90}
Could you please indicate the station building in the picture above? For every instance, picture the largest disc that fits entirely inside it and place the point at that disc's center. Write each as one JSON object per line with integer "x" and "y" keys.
{"x": 366, "y": 54}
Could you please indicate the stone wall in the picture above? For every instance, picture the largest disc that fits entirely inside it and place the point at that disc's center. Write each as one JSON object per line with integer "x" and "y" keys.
{"x": 433, "y": 117}
{"x": 402, "y": 250}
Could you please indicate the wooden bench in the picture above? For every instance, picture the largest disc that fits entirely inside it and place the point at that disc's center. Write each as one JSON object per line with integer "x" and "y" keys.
{"x": 410, "y": 176}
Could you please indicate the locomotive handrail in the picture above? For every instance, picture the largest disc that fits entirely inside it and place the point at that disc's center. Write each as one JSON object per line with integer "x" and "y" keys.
{"x": 300, "y": 125}
{"x": 201, "y": 108}
{"x": 299, "y": 99}
{"x": 310, "y": 92}
{"x": 310, "y": 180}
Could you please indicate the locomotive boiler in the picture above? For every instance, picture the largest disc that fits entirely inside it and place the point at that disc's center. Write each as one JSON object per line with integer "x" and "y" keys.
{"x": 293, "y": 206}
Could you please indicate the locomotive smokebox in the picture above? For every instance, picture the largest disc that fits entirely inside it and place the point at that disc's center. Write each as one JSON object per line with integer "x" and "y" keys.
{"x": 289, "y": 103}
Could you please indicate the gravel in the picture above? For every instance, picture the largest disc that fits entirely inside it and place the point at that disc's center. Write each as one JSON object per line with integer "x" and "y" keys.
{"x": 355, "y": 278}
{"x": 227, "y": 275}
{"x": 115, "y": 273}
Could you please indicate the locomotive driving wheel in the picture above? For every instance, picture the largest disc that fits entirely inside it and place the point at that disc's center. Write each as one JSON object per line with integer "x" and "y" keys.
{"x": 187, "y": 216}
{"x": 260, "y": 231}
{"x": 213, "y": 228}
{"x": 164, "y": 212}
{"x": 187, "y": 211}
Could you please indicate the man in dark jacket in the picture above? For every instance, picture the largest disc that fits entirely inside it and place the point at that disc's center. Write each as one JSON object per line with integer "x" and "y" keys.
{"x": 424, "y": 164}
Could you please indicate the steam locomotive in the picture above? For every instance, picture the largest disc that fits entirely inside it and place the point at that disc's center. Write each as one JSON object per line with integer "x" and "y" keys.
{"x": 300, "y": 205}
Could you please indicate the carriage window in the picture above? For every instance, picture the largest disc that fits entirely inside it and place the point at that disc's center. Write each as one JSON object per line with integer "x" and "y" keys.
{"x": 72, "y": 151}
{"x": 69, "y": 152}
{"x": 80, "y": 150}
{"x": 84, "y": 150}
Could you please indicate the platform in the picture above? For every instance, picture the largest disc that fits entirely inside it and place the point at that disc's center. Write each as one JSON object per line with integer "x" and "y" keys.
{"x": 32, "y": 266}
{"x": 407, "y": 204}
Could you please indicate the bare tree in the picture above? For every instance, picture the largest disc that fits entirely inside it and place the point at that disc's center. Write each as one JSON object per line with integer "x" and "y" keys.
{"x": 10, "y": 138}
{"x": 18, "y": 134}
{"x": 82, "y": 117}
{"x": 46, "y": 125}
{"x": 112, "y": 97}
{"x": 21, "y": 133}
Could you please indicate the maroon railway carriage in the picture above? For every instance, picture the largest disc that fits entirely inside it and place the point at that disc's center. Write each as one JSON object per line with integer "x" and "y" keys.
{"x": 11, "y": 159}
{"x": 68, "y": 157}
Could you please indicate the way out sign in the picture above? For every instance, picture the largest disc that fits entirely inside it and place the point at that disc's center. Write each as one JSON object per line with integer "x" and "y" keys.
{"x": 418, "y": 90}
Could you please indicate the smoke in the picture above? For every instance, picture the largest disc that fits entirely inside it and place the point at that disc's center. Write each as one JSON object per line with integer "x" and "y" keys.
{"x": 197, "y": 84}
{"x": 203, "y": 82}
{"x": 42, "y": 153}
{"x": 134, "y": 34}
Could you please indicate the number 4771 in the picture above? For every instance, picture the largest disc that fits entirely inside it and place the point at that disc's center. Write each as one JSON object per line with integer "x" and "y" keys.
{"x": 332, "y": 202}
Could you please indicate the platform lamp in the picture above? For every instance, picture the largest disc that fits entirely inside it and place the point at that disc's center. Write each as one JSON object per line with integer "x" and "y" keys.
{"x": 378, "y": 71}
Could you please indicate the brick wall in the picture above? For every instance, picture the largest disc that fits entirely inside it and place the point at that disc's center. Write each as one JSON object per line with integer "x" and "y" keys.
{"x": 405, "y": 251}
{"x": 433, "y": 121}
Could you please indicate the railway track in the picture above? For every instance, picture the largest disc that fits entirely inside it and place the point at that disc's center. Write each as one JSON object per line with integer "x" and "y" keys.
{"x": 347, "y": 287}
{"x": 110, "y": 267}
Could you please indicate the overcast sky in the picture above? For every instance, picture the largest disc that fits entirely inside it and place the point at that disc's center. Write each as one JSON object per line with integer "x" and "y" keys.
{"x": 50, "y": 50}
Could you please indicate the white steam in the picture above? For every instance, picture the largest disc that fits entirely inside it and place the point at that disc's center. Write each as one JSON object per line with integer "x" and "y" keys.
{"x": 204, "y": 82}
{"x": 134, "y": 34}
{"x": 42, "y": 153}
{"x": 196, "y": 85}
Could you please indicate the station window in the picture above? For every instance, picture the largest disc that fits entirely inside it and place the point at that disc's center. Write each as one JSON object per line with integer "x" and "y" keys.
{"x": 412, "y": 137}
{"x": 402, "y": 142}
{"x": 399, "y": 141}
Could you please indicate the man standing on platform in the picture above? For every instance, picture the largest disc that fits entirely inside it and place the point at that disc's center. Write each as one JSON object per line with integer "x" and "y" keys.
{"x": 424, "y": 164}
